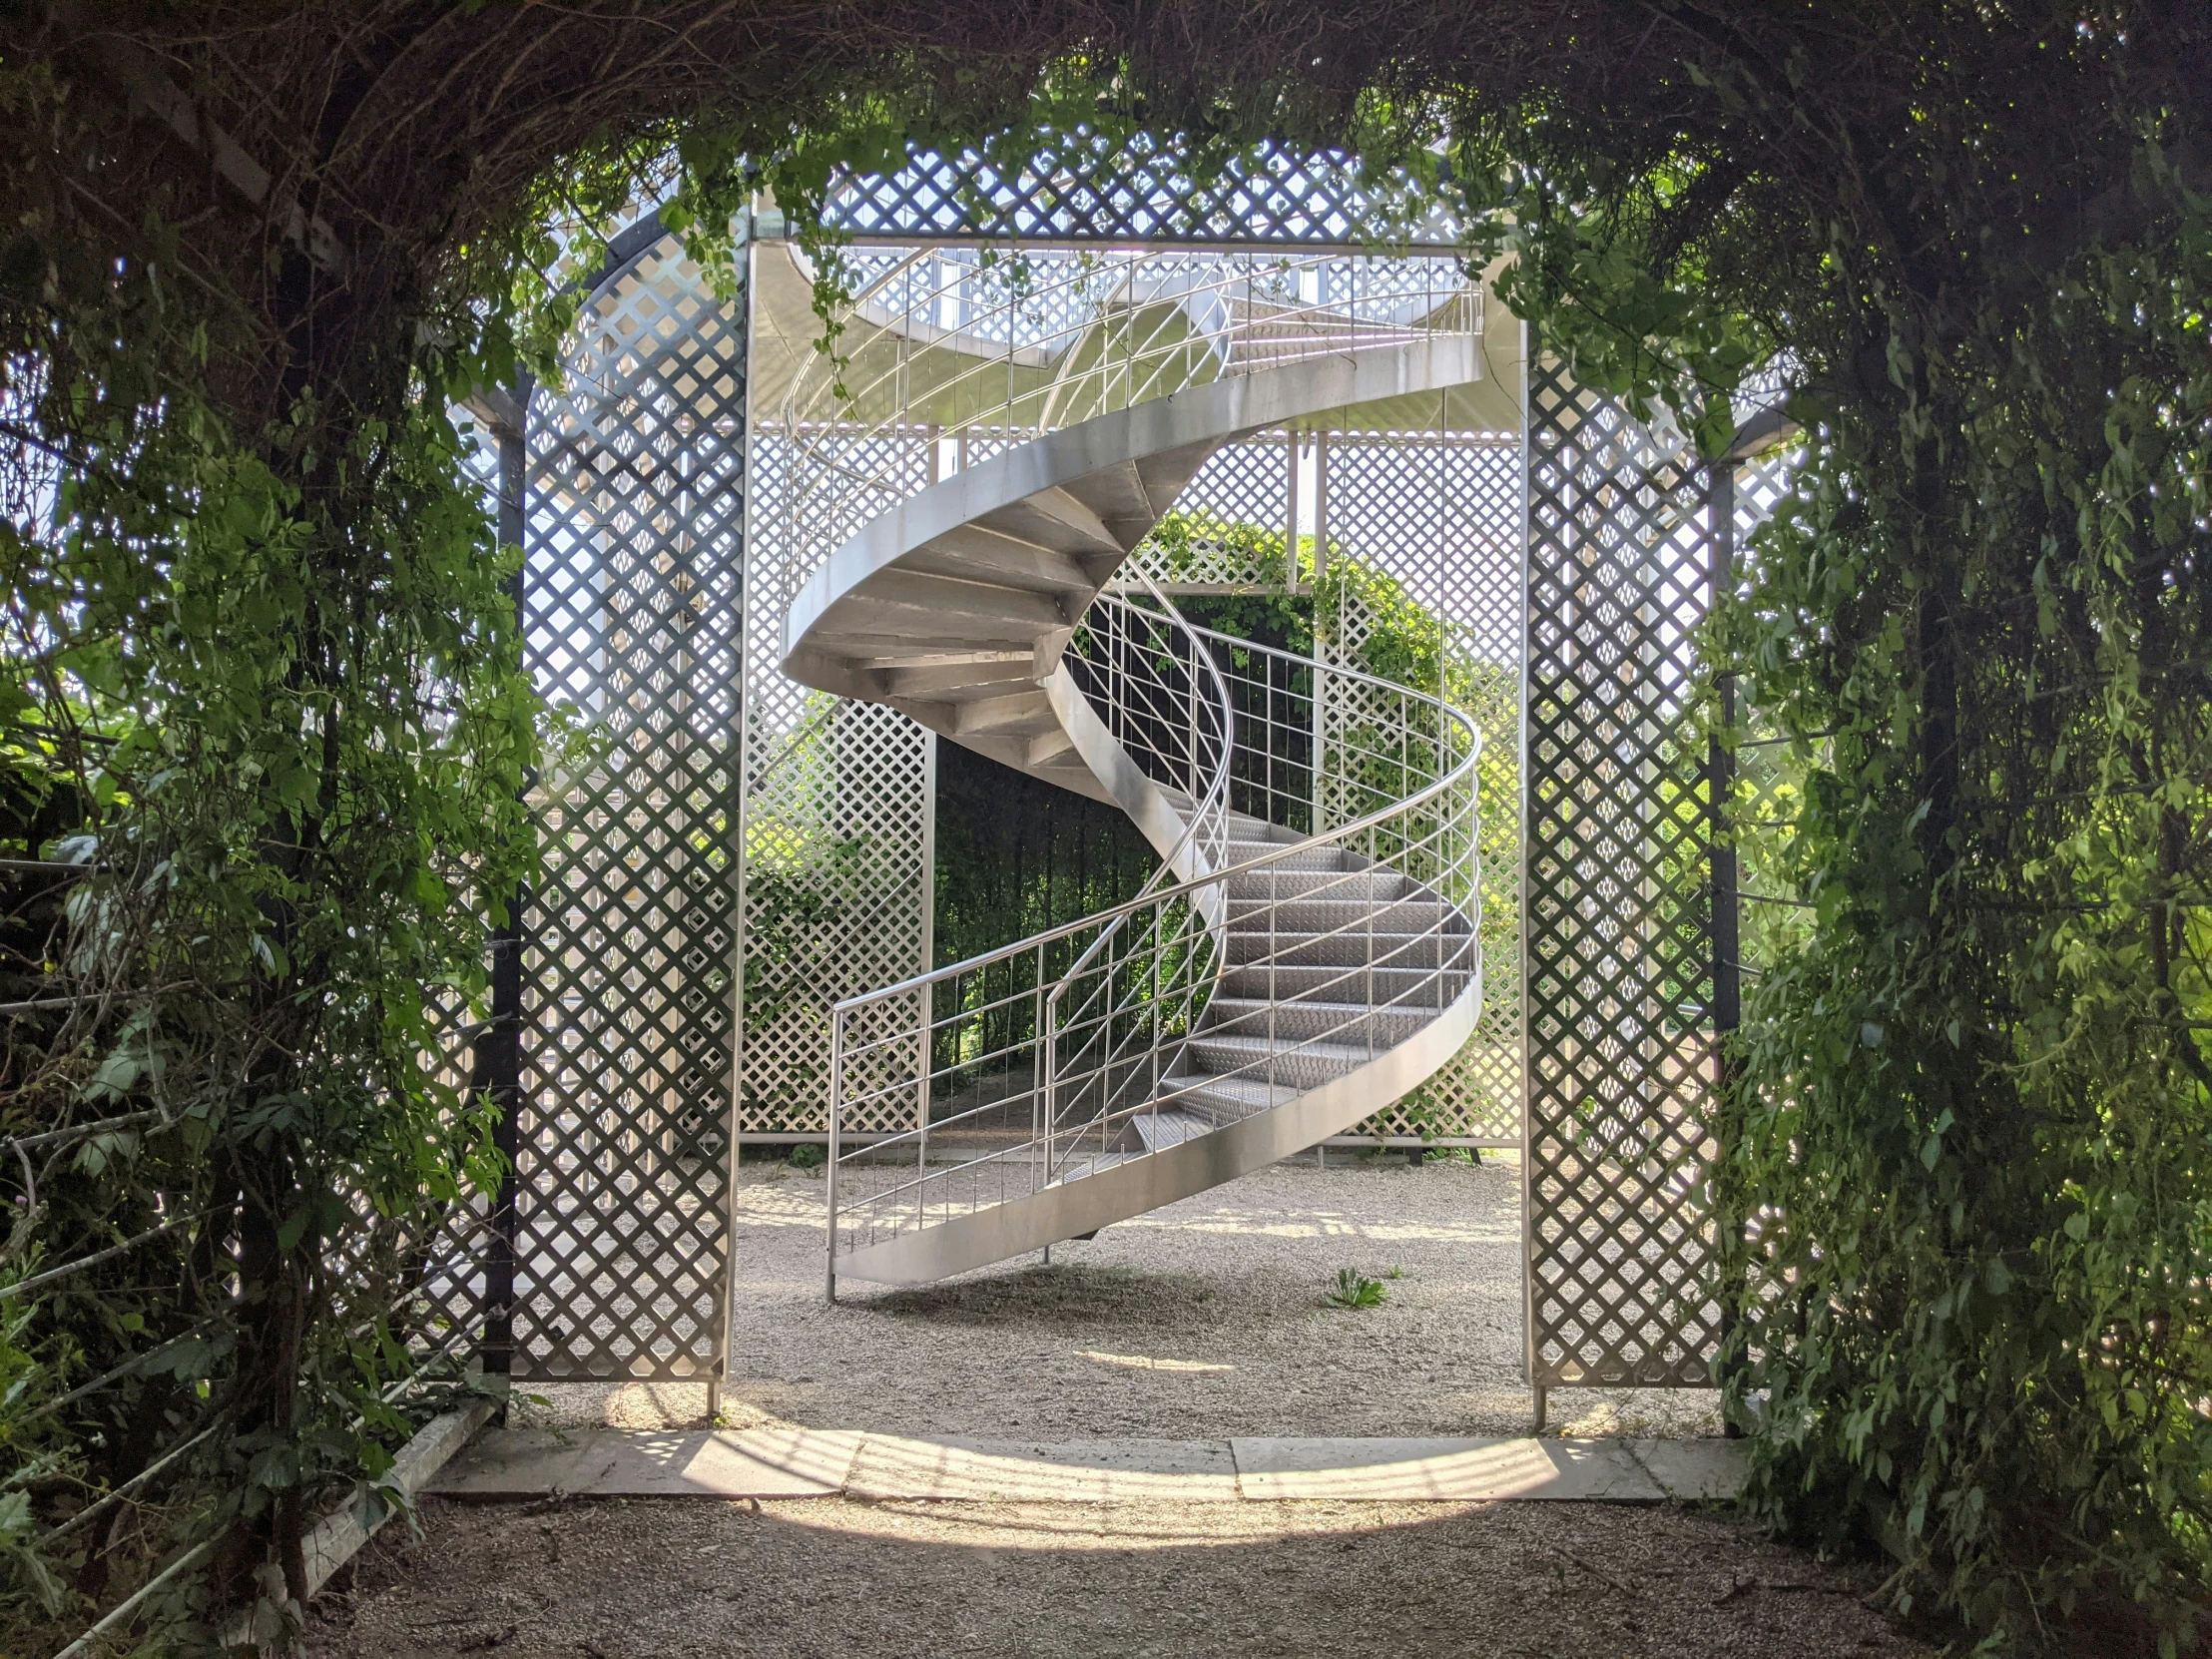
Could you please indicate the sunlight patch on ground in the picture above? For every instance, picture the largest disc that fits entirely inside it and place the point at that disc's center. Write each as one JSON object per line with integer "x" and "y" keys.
{"x": 1275, "y": 1225}
{"x": 1104, "y": 1526}
{"x": 1140, "y": 1362}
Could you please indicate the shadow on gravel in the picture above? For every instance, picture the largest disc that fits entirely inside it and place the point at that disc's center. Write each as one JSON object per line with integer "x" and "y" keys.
{"x": 827, "y": 1578}
{"x": 1087, "y": 1297}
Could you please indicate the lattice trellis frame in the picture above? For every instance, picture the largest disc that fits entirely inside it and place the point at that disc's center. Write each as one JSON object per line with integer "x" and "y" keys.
{"x": 454, "y": 1258}
{"x": 1089, "y": 186}
{"x": 1438, "y": 514}
{"x": 1619, "y": 970}
{"x": 838, "y": 846}
{"x": 1233, "y": 524}
{"x": 632, "y": 616}
{"x": 657, "y": 612}
{"x": 1768, "y": 773}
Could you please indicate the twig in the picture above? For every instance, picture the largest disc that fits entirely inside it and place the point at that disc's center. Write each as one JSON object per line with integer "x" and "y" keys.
{"x": 1740, "y": 1586}
{"x": 115, "y": 1617}
{"x": 129, "y": 1486}
{"x": 1606, "y": 1578}
{"x": 116, "y": 1375}
{"x": 101, "y": 1126}
{"x": 24, "y": 1286}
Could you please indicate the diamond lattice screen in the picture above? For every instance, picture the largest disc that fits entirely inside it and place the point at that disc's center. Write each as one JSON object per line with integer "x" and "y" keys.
{"x": 1230, "y": 526}
{"x": 453, "y": 1282}
{"x": 1769, "y": 769}
{"x": 1621, "y": 1057}
{"x": 1089, "y": 186}
{"x": 636, "y": 517}
{"x": 1425, "y": 548}
{"x": 839, "y": 801}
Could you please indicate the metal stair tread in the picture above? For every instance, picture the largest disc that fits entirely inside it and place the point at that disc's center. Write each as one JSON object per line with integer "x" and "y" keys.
{"x": 1275, "y": 884}
{"x": 1347, "y": 1054}
{"x": 1193, "y": 1088}
{"x": 1246, "y": 1007}
{"x": 1166, "y": 1128}
{"x": 1296, "y": 985}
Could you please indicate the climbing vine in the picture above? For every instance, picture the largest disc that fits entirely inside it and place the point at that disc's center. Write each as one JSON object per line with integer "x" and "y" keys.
{"x": 261, "y": 725}
{"x": 1965, "y": 1194}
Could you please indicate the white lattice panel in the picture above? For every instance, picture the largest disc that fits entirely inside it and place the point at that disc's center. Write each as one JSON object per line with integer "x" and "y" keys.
{"x": 1769, "y": 777}
{"x": 1092, "y": 186}
{"x": 1621, "y": 1052}
{"x": 1761, "y": 483}
{"x": 837, "y": 814}
{"x": 1230, "y": 525}
{"x": 455, "y": 1260}
{"x": 1424, "y": 540}
{"x": 636, "y": 515}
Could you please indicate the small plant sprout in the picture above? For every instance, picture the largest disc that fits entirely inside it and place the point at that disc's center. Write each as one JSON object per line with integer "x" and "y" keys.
{"x": 807, "y": 1156}
{"x": 1355, "y": 1290}
{"x": 1396, "y": 1272}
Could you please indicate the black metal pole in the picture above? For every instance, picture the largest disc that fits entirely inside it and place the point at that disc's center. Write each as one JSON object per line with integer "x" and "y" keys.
{"x": 1727, "y": 965}
{"x": 499, "y": 1050}
{"x": 1728, "y": 1005}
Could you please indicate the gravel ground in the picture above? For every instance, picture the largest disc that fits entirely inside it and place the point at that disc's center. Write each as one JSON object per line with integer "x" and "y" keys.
{"x": 1202, "y": 1319}
{"x": 829, "y": 1578}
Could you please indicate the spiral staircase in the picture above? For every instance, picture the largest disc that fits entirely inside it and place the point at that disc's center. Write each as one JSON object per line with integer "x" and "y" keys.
{"x": 1306, "y": 953}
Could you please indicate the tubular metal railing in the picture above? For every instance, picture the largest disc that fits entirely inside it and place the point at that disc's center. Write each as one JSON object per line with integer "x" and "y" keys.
{"x": 1271, "y": 964}
{"x": 1254, "y": 961}
{"x": 1164, "y": 699}
{"x": 948, "y": 354}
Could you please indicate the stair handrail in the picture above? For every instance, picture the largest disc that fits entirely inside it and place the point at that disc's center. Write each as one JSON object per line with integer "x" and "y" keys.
{"x": 1046, "y": 1155}
{"x": 1209, "y": 816}
{"x": 1160, "y": 321}
{"x": 1206, "y": 831}
{"x": 1461, "y": 771}
{"x": 1087, "y": 960}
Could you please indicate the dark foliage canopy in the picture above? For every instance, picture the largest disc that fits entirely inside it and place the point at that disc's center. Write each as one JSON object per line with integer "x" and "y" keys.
{"x": 259, "y": 653}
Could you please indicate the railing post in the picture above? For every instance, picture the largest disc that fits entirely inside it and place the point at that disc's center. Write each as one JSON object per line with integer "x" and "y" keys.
{"x": 921, "y": 1133}
{"x": 1042, "y": 1098}
{"x": 837, "y": 1126}
{"x": 1727, "y": 940}
{"x": 1190, "y": 723}
{"x": 1275, "y": 905}
{"x": 1152, "y": 1003}
{"x": 1367, "y": 915}
{"x": 1316, "y": 825}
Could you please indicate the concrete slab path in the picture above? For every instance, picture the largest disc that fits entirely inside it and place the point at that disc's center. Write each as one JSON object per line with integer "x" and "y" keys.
{"x": 1443, "y": 1471}
{"x": 789, "y": 1461}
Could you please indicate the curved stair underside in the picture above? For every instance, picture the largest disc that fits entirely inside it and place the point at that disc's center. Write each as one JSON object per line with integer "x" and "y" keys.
{"x": 1344, "y": 983}
{"x": 957, "y": 605}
